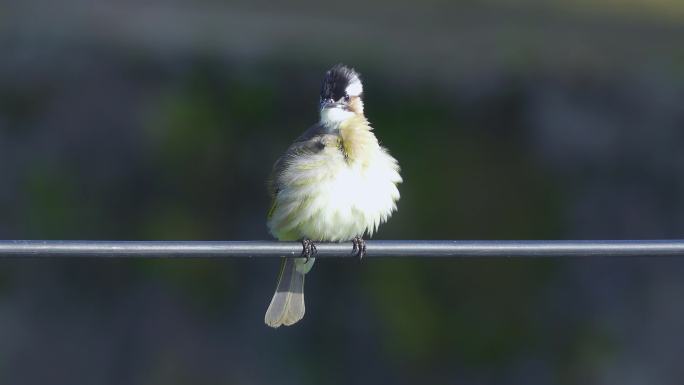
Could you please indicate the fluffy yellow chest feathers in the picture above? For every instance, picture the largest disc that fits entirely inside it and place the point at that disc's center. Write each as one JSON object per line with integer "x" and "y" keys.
{"x": 342, "y": 191}
{"x": 357, "y": 141}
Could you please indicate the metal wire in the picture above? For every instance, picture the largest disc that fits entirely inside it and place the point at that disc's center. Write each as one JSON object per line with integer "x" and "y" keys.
{"x": 253, "y": 249}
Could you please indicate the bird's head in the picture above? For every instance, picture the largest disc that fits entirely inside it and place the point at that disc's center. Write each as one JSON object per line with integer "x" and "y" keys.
{"x": 341, "y": 95}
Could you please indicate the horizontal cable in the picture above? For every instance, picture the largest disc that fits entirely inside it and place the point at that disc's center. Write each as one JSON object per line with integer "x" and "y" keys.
{"x": 248, "y": 249}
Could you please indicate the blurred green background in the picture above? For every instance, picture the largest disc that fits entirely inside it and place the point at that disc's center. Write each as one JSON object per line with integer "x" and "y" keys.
{"x": 511, "y": 120}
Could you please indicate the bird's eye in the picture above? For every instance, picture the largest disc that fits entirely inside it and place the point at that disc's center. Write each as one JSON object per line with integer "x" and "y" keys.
{"x": 346, "y": 98}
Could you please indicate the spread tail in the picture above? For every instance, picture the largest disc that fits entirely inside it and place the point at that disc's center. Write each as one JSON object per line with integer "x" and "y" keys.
{"x": 287, "y": 305}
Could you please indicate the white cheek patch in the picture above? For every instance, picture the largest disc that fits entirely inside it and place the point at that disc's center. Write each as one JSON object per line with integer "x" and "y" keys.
{"x": 335, "y": 115}
{"x": 355, "y": 88}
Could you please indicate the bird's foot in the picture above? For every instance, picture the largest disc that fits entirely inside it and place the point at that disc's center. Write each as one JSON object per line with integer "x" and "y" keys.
{"x": 359, "y": 250}
{"x": 308, "y": 249}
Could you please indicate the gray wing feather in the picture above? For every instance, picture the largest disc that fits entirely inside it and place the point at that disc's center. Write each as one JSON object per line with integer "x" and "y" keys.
{"x": 310, "y": 142}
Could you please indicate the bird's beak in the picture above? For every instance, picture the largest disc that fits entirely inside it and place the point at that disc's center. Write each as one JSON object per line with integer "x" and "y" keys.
{"x": 329, "y": 103}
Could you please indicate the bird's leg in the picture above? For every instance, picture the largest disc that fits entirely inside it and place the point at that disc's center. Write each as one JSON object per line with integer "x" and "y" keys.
{"x": 308, "y": 249}
{"x": 359, "y": 249}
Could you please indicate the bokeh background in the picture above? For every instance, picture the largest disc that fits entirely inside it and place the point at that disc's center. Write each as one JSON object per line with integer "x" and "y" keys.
{"x": 511, "y": 120}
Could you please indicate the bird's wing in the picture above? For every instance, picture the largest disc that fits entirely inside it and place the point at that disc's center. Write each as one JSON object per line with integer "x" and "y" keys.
{"x": 310, "y": 142}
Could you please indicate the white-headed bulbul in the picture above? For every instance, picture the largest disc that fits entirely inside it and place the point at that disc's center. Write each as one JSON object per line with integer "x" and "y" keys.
{"x": 334, "y": 183}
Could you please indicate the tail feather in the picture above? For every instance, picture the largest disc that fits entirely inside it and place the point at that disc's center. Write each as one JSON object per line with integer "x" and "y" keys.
{"x": 287, "y": 304}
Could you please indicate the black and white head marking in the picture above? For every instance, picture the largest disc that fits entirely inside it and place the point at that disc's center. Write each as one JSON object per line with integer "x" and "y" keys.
{"x": 341, "y": 93}
{"x": 341, "y": 81}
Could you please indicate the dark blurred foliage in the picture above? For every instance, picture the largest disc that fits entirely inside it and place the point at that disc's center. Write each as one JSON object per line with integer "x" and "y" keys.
{"x": 161, "y": 121}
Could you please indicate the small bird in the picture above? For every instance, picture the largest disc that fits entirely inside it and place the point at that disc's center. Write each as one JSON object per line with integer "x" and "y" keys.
{"x": 334, "y": 183}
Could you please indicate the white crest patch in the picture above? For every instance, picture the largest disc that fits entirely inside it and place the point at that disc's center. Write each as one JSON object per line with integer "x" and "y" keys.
{"x": 354, "y": 88}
